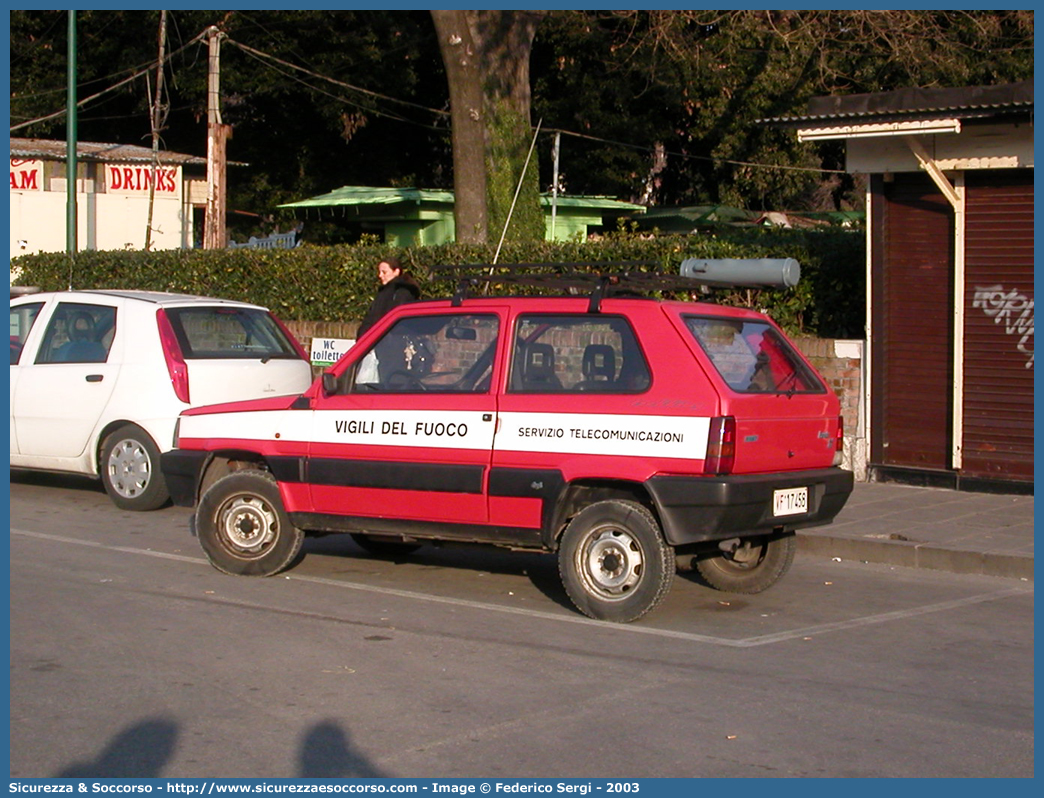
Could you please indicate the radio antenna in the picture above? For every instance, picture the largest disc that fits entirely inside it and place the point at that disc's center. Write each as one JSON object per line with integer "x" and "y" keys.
{"x": 518, "y": 188}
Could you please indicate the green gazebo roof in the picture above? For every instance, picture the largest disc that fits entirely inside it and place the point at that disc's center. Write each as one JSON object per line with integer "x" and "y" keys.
{"x": 425, "y": 216}
{"x": 366, "y": 195}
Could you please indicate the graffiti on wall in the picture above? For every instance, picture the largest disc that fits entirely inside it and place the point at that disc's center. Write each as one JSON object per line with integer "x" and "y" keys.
{"x": 1012, "y": 309}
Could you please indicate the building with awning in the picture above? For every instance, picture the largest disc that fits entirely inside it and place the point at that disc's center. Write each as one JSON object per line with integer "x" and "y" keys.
{"x": 950, "y": 277}
{"x": 416, "y": 216}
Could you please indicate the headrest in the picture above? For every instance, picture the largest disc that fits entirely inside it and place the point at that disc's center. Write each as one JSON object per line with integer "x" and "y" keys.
{"x": 599, "y": 362}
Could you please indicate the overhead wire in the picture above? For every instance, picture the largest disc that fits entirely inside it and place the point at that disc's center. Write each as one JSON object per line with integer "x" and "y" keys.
{"x": 375, "y": 94}
{"x": 268, "y": 60}
{"x": 145, "y": 70}
{"x": 690, "y": 156}
{"x": 261, "y": 57}
{"x": 643, "y": 148}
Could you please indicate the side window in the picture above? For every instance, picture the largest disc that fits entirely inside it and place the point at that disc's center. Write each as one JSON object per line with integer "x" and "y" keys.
{"x": 574, "y": 354}
{"x": 445, "y": 354}
{"x": 22, "y": 319}
{"x": 78, "y": 333}
{"x": 752, "y": 357}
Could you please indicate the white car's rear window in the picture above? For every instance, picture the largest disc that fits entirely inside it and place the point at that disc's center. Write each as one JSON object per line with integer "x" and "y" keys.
{"x": 207, "y": 333}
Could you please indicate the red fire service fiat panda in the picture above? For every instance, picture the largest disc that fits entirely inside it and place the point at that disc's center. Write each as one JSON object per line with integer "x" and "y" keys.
{"x": 632, "y": 436}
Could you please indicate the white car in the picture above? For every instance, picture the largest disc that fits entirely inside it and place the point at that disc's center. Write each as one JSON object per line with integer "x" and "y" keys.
{"x": 98, "y": 378}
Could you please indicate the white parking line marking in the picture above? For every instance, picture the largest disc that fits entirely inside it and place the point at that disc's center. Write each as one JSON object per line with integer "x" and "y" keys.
{"x": 749, "y": 642}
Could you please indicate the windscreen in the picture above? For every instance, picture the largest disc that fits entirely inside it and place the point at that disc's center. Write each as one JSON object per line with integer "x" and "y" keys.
{"x": 752, "y": 357}
{"x": 211, "y": 333}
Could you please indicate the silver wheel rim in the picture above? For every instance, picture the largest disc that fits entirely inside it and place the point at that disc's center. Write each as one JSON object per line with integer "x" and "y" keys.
{"x": 610, "y": 562}
{"x": 247, "y": 524}
{"x": 129, "y": 468}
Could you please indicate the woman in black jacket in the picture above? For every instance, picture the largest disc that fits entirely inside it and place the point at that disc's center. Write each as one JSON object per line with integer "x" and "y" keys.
{"x": 389, "y": 356}
{"x": 397, "y": 288}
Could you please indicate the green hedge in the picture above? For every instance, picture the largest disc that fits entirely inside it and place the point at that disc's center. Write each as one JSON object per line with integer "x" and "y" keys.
{"x": 336, "y": 283}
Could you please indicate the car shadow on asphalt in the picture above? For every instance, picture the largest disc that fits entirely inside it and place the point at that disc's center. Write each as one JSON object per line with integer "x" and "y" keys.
{"x": 541, "y": 570}
{"x": 47, "y": 479}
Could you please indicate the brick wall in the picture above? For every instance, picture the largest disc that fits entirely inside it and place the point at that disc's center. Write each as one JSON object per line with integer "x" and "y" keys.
{"x": 307, "y": 330}
{"x": 841, "y": 364}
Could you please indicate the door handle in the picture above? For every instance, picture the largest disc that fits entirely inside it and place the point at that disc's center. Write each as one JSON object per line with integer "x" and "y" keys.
{"x": 94, "y": 378}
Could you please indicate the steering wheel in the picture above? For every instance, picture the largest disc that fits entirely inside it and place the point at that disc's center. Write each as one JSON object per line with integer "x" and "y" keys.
{"x": 399, "y": 380}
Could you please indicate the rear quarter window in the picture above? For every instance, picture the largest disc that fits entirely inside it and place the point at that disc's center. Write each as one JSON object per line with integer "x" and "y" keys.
{"x": 752, "y": 356}
{"x": 211, "y": 333}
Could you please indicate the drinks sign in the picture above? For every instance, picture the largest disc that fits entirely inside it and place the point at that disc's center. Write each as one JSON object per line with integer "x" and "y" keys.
{"x": 138, "y": 179}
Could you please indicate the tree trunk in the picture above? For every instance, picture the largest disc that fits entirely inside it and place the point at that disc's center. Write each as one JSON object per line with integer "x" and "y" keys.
{"x": 469, "y": 143}
{"x": 506, "y": 43}
{"x": 486, "y": 54}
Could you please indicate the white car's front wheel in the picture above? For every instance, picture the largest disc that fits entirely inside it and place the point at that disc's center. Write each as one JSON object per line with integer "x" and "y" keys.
{"x": 129, "y": 469}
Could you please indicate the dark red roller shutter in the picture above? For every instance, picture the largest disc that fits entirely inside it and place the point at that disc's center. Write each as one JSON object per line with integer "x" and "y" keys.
{"x": 912, "y": 326}
{"x": 998, "y": 325}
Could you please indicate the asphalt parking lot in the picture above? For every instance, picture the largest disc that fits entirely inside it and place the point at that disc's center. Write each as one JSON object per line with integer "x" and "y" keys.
{"x": 132, "y": 656}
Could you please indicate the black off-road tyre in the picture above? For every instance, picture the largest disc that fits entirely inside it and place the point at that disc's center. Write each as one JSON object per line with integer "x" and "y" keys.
{"x": 243, "y": 527}
{"x": 613, "y": 560}
{"x": 129, "y": 467}
{"x": 384, "y": 547}
{"x": 755, "y": 566}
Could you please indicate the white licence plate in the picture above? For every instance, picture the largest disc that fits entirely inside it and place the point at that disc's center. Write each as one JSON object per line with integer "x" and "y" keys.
{"x": 792, "y": 501}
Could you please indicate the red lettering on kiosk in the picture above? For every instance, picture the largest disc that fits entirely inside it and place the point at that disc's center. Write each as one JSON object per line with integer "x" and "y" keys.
{"x": 25, "y": 174}
{"x": 140, "y": 178}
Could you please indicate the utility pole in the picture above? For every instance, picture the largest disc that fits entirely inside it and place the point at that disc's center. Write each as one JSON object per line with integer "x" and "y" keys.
{"x": 71, "y": 164}
{"x": 554, "y": 183}
{"x": 217, "y": 135}
{"x": 156, "y": 122}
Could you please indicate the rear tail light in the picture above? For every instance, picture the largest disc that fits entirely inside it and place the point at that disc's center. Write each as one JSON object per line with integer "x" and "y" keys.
{"x": 839, "y": 441}
{"x": 176, "y": 366}
{"x": 721, "y": 446}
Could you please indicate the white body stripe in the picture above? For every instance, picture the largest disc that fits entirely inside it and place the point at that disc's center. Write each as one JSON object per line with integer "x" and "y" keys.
{"x": 683, "y": 437}
{"x": 430, "y": 429}
{"x": 598, "y": 433}
{"x": 425, "y": 429}
{"x": 262, "y": 425}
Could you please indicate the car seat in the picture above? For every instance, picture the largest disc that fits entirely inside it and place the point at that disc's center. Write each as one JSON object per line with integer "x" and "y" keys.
{"x": 538, "y": 369}
{"x": 599, "y": 367}
{"x": 82, "y": 346}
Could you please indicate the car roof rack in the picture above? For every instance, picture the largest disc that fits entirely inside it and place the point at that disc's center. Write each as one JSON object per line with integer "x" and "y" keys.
{"x": 600, "y": 279}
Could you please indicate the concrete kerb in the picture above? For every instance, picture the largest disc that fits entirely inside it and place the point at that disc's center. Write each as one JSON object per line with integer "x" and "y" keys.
{"x": 918, "y": 527}
{"x": 908, "y": 554}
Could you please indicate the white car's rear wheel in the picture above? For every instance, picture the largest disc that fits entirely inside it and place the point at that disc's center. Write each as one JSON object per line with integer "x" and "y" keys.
{"x": 130, "y": 472}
